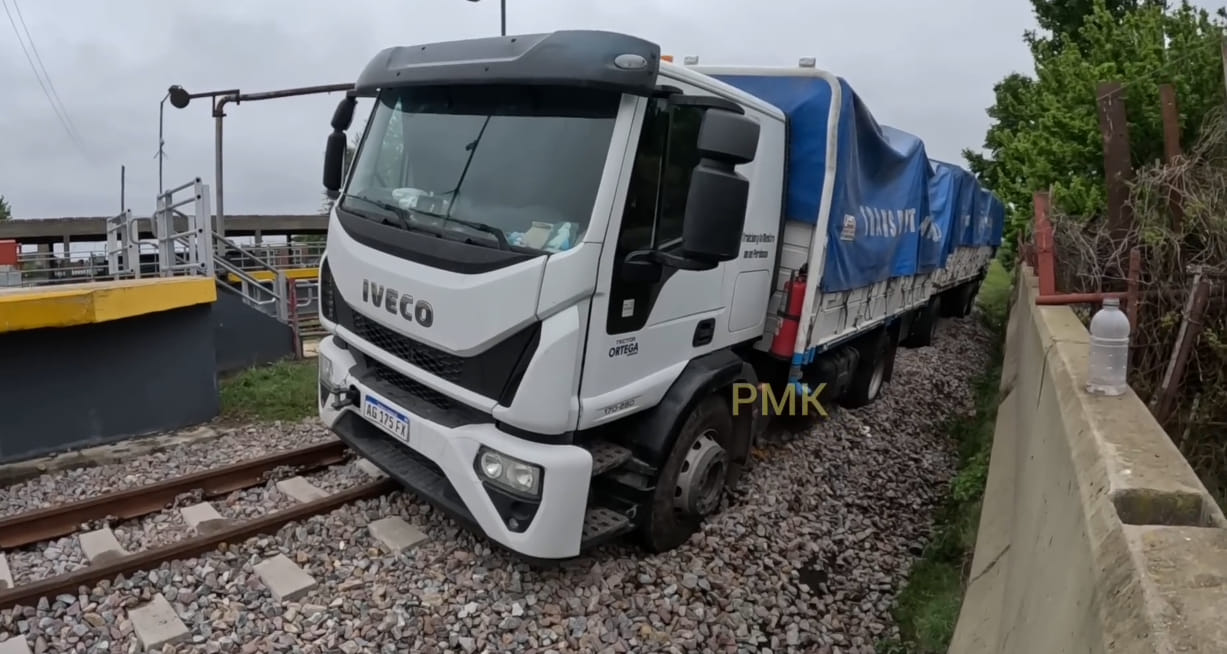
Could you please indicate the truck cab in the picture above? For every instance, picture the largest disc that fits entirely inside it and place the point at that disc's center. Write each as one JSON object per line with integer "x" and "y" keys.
{"x": 547, "y": 269}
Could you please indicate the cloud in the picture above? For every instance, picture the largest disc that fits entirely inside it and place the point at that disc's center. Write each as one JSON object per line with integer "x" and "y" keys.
{"x": 926, "y": 67}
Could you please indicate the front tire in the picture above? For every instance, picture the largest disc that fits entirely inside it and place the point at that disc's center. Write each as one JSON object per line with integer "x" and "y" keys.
{"x": 692, "y": 481}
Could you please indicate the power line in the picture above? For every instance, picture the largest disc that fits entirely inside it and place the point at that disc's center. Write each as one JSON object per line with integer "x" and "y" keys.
{"x": 54, "y": 107}
{"x": 33, "y": 48}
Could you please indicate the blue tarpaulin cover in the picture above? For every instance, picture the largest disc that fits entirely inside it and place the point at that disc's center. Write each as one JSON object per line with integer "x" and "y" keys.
{"x": 893, "y": 212}
{"x": 950, "y": 202}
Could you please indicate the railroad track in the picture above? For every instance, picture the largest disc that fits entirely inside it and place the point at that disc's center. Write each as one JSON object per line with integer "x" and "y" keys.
{"x": 36, "y": 526}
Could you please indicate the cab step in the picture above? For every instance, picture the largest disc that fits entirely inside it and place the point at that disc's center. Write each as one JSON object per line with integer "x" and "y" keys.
{"x": 606, "y": 456}
{"x": 602, "y": 525}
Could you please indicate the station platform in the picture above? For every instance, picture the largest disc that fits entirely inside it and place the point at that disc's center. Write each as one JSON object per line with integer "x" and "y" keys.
{"x": 93, "y": 363}
{"x": 69, "y": 305}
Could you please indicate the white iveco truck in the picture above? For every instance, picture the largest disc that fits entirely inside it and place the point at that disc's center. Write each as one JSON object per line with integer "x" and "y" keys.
{"x": 555, "y": 255}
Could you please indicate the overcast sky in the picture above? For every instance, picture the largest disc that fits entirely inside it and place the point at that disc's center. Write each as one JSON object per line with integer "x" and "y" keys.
{"x": 925, "y": 66}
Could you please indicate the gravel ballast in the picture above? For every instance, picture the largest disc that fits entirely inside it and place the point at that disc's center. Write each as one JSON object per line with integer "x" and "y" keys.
{"x": 233, "y": 445}
{"x": 807, "y": 556}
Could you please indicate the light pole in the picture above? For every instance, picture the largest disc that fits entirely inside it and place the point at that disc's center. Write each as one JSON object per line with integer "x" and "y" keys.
{"x": 180, "y": 99}
{"x": 161, "y": 140}
{"x": 502, "y": 10}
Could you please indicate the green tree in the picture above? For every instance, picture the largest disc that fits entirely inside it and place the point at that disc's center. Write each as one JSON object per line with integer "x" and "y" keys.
{"x": 1045, "y": 129}
{"x": 6, "y": 210}
{"x": 1063, "y": 19}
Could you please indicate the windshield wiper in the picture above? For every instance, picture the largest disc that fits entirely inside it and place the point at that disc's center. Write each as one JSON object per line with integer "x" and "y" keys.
{"x": 400, "y": 213}
{"x": 498, "y": 234}
{"x": 405, "y": 218}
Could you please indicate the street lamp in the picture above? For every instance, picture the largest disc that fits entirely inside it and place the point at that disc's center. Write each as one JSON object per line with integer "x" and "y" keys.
{"x": 502, "y": 8}
{"x": 180, "y": 99}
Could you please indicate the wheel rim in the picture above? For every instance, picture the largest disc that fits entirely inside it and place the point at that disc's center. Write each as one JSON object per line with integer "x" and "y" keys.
{"x": 701, "y": 478}
{"x": 875, "y": 380}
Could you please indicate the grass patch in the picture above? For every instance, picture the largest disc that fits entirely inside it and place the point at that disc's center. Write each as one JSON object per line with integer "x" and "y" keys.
{"x": 285, "y": 390}
{"x": 928, "y": 607}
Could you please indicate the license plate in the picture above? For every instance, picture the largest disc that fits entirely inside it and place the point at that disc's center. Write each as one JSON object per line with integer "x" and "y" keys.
{"x": 389, "y": 419}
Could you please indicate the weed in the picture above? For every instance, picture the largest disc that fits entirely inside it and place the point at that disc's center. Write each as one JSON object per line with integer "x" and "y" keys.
{"x": 285, "y": 390}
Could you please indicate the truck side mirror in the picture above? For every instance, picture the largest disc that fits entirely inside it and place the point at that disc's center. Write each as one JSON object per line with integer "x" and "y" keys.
{"x": 334, "y": 152}
{"x": 716, "y": 203}
{"x": 334, "y": 161}
{"x": 343, "y": 116}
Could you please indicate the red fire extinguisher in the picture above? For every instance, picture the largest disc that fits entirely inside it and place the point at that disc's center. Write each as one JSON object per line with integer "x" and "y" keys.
{"x": 790, "y": 316}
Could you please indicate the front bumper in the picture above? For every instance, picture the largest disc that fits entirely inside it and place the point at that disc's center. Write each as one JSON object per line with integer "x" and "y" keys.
{"x": 438, "y": 463}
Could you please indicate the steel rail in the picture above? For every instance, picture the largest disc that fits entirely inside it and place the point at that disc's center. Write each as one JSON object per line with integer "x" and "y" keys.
{"x": 51, "y": 522}
{"x": 70, "y": 583}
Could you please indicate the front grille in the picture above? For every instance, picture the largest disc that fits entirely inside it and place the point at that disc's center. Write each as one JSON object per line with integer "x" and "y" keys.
{"x": 494, "y": 373}
{"x": 438, "y": 363}
{"x": 416, "y": 389}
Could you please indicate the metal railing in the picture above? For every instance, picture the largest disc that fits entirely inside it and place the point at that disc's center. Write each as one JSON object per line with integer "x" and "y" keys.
{"x": 197, "y": 237}
{"x": 272, "y": 298}
{"x": 304, "y": 314}
{"x": 185, "y": 243}
{"x": 123, "y": 248}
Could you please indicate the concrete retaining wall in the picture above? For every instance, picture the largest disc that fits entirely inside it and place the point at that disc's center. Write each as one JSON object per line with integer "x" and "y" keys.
{"x": 1096, "y": 535}
{"x": 67, "y": 388}
{"x": 246, "y": 336}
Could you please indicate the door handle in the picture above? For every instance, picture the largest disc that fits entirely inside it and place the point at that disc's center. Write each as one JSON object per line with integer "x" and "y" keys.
{"x": 703, "y": 332}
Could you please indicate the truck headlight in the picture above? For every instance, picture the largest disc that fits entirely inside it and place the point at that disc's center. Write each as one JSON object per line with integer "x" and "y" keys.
{"x": 325, "y": 369}
{"x": 508, "y": 472}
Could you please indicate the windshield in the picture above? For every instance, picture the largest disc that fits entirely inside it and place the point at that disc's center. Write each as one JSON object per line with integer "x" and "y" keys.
{"x": 508, "y": 167}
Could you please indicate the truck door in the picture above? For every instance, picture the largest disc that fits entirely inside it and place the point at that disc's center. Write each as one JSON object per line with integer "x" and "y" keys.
{"x": 642, "y": 332}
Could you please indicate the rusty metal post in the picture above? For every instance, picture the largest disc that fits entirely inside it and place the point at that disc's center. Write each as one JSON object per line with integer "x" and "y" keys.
{"x": 1133, "y": 297}
{"x": 1065, "y": 299}
{"x": 294, "y": 321}
{"x": 1117, "y": 168}
{"x": 1164, "y": 401}
{"x": 1172, "y": 149}
{"x": 1044, "y": 256}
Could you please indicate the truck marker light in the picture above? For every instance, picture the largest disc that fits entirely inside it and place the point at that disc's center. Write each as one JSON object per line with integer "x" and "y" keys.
{"x": 630, "y": 61}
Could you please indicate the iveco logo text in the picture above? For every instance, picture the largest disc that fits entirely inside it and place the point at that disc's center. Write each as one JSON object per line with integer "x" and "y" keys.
{"x": 398, "y": 302}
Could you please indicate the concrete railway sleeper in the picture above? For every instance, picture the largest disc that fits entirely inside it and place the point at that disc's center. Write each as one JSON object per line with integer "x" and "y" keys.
{"x": 42, "y": 524}
{"x": 206, "y": 529}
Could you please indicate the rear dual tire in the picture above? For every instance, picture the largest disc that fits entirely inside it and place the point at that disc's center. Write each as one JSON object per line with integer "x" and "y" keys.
{"x": 924, "y": 326}
{"x": 873, "y": 369}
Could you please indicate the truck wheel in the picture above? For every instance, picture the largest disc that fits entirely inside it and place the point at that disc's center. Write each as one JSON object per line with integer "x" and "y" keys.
{"x": 692, "y": 480}
{"x": 950, "y": 303}
{"x": 870, "y": 371}
{"x": 969, "y": 301}
{"x": 923, "y": 326}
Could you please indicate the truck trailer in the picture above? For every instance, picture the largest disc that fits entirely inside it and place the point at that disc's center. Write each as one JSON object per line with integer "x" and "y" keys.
{"x": 556, "y": 258}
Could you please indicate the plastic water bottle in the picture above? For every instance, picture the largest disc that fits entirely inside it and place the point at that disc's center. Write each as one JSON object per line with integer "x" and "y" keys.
{"x": 1109, "y": 350}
